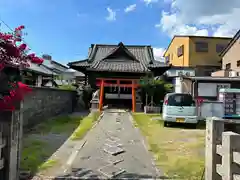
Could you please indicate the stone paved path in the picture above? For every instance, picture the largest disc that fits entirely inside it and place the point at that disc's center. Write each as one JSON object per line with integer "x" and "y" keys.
{"x": 113, "y": 134}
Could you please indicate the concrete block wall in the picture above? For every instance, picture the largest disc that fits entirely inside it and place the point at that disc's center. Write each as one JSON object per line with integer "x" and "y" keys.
{"x": 43, "y": 103}
{"x": 40, "y": 105}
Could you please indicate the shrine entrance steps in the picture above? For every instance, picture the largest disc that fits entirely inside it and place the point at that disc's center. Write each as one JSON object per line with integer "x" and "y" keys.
{"x": 118, "y": 103}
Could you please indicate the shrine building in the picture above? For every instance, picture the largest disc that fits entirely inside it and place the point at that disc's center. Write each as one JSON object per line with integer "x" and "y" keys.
{"x": 115, "y": 70}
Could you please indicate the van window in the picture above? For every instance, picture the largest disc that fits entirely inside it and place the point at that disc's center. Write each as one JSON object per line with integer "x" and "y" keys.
{"x": 181, "y": 100}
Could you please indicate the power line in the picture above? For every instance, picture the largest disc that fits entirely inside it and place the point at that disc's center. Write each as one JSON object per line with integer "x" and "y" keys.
{"x": 6, "y": 25}
{"x": 1, "y": 20}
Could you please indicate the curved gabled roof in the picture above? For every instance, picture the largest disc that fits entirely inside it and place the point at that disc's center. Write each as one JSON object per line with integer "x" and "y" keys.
{"x": 118, "y": 58}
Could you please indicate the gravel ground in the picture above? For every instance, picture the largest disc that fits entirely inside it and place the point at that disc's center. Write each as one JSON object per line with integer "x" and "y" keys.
{"x": 115, "y": 133}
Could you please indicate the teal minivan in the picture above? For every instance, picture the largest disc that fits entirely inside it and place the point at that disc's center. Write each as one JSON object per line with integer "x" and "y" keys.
{"x": 179, "y": 108}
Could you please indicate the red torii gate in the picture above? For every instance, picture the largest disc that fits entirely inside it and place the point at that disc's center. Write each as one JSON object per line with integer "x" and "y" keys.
{"x": 104, "y": 82}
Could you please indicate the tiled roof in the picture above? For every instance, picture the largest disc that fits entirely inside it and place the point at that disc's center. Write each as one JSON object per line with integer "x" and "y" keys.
{"x": 119, "y": 66}
{"x": 77, "y": 74}
{"x": 40, "y": 69}
{"x": 156, "y": 64}
{"x": 140, "y": 52}
{"x": 82, "y": 63}
{"x": 107, "y": 58}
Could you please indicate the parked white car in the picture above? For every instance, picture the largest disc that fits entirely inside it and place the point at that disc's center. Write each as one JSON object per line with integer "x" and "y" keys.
{"x": 179, "y": 108}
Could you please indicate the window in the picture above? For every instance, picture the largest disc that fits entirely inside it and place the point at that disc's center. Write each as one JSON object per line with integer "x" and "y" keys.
{"x": 220, "y": 47}
{"x": 180, "y": 51}
{"x": 167, "y": 59}
{"x": 201, "y": 46}
{"x": 180, "y": 100}
{"x": 228, "y": 66}
{"x": 238, "y": 63}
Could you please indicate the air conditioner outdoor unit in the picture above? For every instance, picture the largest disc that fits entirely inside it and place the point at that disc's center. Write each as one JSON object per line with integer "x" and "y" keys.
{"x": 179, "y": 73}
{"x": 233, "y": 74}
{"x": 187, "y": 73}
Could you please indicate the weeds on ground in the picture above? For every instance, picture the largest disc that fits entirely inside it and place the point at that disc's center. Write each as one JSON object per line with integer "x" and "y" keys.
{"x": 85, "y": 125}
{"x": 35, "y": 152}
{"x": 178, "y": 152}
{"x": 49, "y": 163}
{"x": 59, "y": 125}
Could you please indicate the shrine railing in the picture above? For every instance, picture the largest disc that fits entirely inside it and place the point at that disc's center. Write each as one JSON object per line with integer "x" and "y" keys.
{"x": 222, "y": 150}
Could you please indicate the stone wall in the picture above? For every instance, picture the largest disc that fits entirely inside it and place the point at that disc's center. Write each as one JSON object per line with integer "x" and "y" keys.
{"x": 44, "y": 103}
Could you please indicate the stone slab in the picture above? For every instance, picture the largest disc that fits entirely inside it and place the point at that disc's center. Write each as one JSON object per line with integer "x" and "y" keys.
{"x": 111, "y": 171}
{"x": 113, "y": 138}
{"x": 111, "y": 143}
{"x": 114, "y": 160}
{"x": 113, "y": 150}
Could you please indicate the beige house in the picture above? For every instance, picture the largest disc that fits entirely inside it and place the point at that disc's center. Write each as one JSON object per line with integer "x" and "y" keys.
{"x": 230, "y": 58}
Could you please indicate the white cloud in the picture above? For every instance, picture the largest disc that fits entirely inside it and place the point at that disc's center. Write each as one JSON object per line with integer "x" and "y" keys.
{"x": 130, "y": 8}
{"x": 158, "y": 53}
{"x": 173, "y": 26}
{"x": 194, "y": 17}
{"x": 147, "y": 2}
{"x": 111, "y": 15}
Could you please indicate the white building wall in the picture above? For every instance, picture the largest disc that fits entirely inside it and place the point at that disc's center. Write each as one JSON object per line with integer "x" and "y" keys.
{"x": 178, "y": 85}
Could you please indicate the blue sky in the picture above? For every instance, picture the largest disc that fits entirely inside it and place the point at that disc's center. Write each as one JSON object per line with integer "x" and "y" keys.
{"x": 66, "y": 28}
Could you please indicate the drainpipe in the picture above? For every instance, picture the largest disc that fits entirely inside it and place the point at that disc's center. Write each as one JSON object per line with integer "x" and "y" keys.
{"x": 198, "y": 106}
{"x": 193, "y": 89}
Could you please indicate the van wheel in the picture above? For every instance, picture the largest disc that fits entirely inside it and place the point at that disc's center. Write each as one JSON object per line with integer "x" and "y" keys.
{"x": 165, "y": 124}
{"x": 194, "y": 126}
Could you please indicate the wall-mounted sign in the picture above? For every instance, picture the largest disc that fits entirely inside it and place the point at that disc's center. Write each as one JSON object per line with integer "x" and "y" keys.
{"x": 179, "y": 72}
{"x": 211, "y": 89}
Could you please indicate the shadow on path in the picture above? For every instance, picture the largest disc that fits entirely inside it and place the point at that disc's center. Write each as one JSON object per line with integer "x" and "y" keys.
{"x": 201, "y": 125}
{"x": 44, "y": 140}
{"x": 82, "y": 173}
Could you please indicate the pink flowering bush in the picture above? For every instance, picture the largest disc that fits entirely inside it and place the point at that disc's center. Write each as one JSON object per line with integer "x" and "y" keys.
{"x": 13, "y": 54}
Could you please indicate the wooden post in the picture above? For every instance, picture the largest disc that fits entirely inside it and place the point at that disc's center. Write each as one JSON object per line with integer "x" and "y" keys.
{"x": 133, "y": 97}
{"x": 214, "y": 130}
{"x": 101, "y": 95}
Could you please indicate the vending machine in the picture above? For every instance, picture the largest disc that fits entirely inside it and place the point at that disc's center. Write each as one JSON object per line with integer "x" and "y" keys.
{"x": 231, "y": 102}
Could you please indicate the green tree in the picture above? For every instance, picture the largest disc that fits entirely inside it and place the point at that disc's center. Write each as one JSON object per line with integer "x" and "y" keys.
{"x": 154, "y": 89}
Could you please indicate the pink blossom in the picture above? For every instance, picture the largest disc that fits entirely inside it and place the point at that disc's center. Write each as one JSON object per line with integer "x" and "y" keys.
{"x": 1, "y": 66}
{"x": 13, "y": 53}
{"x": 37, "y": 60}
{"x": 22, "y": 47}
{"x": 31, "y": 55}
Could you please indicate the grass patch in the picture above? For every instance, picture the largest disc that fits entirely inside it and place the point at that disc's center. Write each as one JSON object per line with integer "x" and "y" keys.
{"x": 154, "y": 115}
{"x": 59, "y": 125}
{"x": 49, "y": 163}
{"x": 36, "y": 151}
{"x": 85, "y": 125}
{"x": 178, "y": 152}
{"x": 33, "y": 154}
